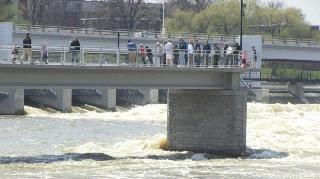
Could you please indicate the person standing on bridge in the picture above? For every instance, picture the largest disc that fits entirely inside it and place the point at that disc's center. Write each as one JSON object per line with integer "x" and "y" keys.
{"x": 44, "y": 53}
{"x": 206, "y": 51}
{"x": 132, "y": 52}
{"x": 158, "y": 54}
{"x": 255, "y": 57}
{"x": 149, "y": 55}
{"x": 27, "y": 49}
{"x": 190, "y": 53}
{"x": 14, "y": 54}
{"x": 217, "y": 55}
{"x": 197, "y": 51}
{"x": 182, "y": 51}
{"x": 142, "y": 53}
{"x": 169, "y": 52}
{"x": 75, "y": 49}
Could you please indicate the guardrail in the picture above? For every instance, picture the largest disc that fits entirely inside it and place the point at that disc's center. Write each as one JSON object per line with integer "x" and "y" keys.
{"x": 98, "y": 56}
{"x": 282, "y": 76}
{"x": 130, "y": 34}
{"x": 156, "y": 35}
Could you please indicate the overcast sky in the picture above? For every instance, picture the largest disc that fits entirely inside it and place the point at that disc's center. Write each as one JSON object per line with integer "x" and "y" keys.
{"x": 311, "y": 8}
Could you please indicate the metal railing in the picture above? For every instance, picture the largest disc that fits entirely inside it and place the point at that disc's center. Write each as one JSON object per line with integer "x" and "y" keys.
{"x": 99, "y": 56}
{"x": 156, "y": 35}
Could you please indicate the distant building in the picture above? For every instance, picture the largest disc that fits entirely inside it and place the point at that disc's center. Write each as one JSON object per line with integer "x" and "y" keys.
{"x": 315, "y": 27}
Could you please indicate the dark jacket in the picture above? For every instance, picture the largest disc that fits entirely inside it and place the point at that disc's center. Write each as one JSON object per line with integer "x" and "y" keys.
{"x": 75, "y": 45}
{"x": 207, "y": 48}
{"x": 197, "y": 48}
{"x": 149, "y": 52}
{"x": 182, "y": 45}
{"x": 27, "y": 43}
{"x": 237, "y": 49}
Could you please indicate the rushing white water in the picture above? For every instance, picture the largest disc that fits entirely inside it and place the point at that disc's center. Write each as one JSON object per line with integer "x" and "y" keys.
{"x": 283, "y": 141}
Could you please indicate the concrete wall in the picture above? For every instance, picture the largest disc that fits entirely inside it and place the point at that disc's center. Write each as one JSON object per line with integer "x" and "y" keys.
{"x": 137, "y": 96}
{"x": 262, "y": 95}
{"x": 297, "y": 90}
{"x": 12, "y": 101}
{"x": 59, "y": 99}
{"x": 211, "y": 121}
{"x": 105, "y": 98}
{"x": 151, "y": 96}
{"x": 5, "y": 40}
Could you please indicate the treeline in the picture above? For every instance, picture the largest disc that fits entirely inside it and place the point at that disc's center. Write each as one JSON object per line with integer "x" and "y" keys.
{"x": 272, "y": 18}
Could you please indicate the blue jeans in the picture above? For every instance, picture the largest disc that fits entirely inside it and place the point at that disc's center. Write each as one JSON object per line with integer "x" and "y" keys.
{"x": 182, "y": 57}
{"x": 75, "y": 57}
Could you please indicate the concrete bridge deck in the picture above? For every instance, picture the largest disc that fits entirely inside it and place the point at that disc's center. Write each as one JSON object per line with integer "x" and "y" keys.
{"x": 28, "y": 76}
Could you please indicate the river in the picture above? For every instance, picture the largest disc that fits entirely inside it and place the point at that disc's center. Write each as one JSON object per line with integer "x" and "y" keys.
{"x": 283, "y": 142}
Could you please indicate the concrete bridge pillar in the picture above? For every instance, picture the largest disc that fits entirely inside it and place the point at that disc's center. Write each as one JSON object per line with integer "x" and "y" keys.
{"x": 11, "y": 101}
{"x": 211, "y": 121}
{"x": 151, "y": 96}
{"x": 105, "y": 98}
{"x": 297, "y": 90}
{"x": 59, "y": 99}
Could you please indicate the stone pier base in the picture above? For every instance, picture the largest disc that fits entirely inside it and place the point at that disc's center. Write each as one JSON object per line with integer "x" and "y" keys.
{"x": 59, "y": 99}
{"x": 210, "y": 121}
{"x": 297, "y": 90}
{"x": 11, "y": 101}
{"x": 262, "y": 95}
{"x": 105, "y": 98}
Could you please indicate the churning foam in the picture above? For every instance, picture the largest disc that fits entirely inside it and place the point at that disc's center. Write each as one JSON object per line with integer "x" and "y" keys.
{"x": 148, "y": 113}
{"x": 272, "y": 129}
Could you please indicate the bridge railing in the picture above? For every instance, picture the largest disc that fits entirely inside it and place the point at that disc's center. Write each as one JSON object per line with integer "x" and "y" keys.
{"x": 99, "y": 56}
{"x": 291, "y": 41}
{"x": 136, "y": 34}
{"x": 156, "y": 35}
{"x": 284, "y": 75}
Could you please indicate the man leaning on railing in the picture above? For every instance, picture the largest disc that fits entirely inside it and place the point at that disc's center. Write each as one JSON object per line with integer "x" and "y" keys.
{"x": 75, "y": 48}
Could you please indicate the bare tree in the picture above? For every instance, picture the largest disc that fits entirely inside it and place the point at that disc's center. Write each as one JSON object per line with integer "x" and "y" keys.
{"x": 126, "y": 13}
{"x": 35, "y": 10}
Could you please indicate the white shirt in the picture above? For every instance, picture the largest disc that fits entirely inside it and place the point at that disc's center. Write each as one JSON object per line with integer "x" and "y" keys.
{"x": 190, "y": 48}
{"x": 168, "y": 48}
{"x": 229, "y": 50}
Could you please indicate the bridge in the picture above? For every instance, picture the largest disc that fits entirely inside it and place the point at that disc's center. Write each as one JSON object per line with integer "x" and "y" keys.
{"x": 273, "y": 48}
{"x": 206, "y": 106}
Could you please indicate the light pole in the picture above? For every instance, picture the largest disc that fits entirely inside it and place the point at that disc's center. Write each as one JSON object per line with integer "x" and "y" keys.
{"x": 163, "y": 28}
{"x": 241, "y": 22}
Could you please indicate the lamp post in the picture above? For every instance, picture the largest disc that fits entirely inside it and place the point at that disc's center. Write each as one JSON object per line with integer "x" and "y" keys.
{"x": 163, "y": 28}
{"x": 241, "y": 22}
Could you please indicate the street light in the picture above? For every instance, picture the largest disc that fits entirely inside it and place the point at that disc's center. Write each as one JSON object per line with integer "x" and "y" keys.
{"x": 241, "y": 21}
{"x": 163, "y": 28}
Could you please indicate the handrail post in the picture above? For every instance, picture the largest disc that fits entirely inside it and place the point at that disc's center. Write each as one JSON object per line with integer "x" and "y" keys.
{"x": 118, "y": 56}
{"x": 82, "y": 60}
{"x": 64, "y": 56}
{"x": 100, "y": 56}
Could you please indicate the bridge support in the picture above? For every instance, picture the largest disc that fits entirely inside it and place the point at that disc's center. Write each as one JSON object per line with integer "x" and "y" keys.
{"x": 210, "y": 121}
{"x": 137, "y": 96}
{"x": 297, "y": 90}
{"x": 105, "y": 98}
{"x": 59, "y": 99}
{"x": 150, "y": 96}
{"x": 11, "y": 101}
